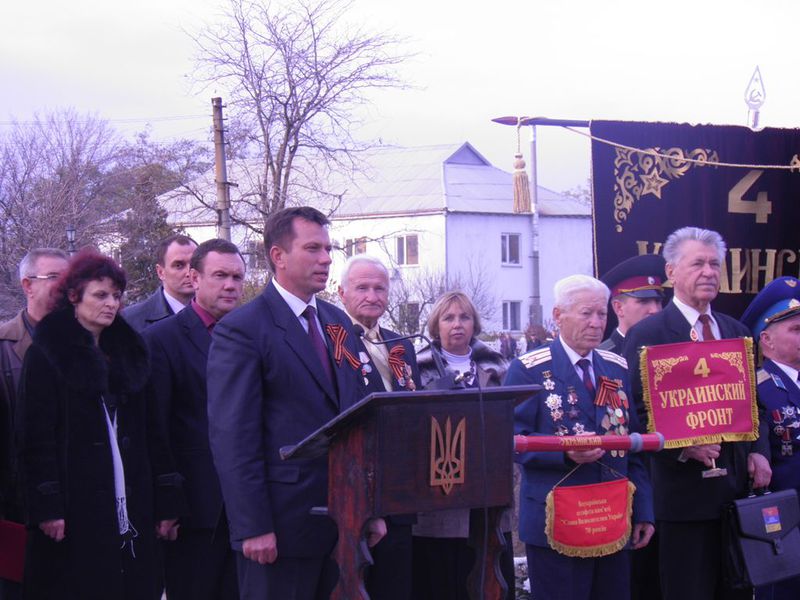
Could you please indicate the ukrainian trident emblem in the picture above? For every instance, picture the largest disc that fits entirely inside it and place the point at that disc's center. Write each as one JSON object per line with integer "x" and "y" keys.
{"x": 447, "y": 454}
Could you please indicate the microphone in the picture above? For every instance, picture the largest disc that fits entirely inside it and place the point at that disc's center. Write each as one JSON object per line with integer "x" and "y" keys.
{"x": 446, "y": 381}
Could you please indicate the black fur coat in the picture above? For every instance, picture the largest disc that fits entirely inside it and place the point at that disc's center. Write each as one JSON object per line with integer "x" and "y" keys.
{"x": 67, "y": 463}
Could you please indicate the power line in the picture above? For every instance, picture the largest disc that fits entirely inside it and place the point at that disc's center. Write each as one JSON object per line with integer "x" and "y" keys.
{"x": 123, "y": 121}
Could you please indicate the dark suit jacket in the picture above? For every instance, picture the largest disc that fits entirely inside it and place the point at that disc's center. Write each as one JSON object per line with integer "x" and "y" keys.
{"x": 409, "y": 356}
{"x": 143, "y": 314}
{"x": 680, "y": 492}
{"x": 179, "y": 353}
{"x": 266, "y": 389}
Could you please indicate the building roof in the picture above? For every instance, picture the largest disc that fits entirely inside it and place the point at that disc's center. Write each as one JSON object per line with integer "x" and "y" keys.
{"x": 395, "y": 181}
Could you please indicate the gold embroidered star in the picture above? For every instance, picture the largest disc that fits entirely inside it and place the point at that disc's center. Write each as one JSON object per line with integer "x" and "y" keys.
{"x": 653, "y": 182}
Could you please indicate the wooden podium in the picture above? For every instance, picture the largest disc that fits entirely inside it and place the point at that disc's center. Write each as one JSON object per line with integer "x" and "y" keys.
{"x": 408, "y": 452}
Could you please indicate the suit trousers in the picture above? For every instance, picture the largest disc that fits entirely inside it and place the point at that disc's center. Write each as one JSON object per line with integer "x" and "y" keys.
{"x": 554, "y": 576}
{"x": 200, "y": 565}
{"x": 287, "y": 578}
{"x": 690, "y": 562}
{"x": 389, "y": 578}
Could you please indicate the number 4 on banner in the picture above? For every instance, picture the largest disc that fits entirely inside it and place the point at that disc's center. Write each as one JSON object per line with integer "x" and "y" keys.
{"x": 761, "y": 208}
{"x": 701, "y": 368}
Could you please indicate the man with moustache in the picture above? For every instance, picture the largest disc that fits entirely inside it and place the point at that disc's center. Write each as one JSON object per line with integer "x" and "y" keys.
{"x": 688, "y": 506}
{"x": 172, "y": 267}
{"x": 199, "y": 564}
{"x": 774, "y": 318}
{"x": 273, "y": 379}
{"x": 39, "y": 271}
{"x": 392, "y": 367}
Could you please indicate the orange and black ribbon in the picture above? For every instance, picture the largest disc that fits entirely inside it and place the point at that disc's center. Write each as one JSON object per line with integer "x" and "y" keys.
{"x": 396, "y": 362}
{"x": 338, "y": 335}
{"x": 607, "y": 393}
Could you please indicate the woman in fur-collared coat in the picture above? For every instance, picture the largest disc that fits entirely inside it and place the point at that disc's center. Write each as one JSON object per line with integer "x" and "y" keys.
{"x": 92, "y": 464}
{"x": 442, "y": 559}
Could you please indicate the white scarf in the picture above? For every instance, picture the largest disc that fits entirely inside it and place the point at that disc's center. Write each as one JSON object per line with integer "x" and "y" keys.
{"x": 119, "y": 475}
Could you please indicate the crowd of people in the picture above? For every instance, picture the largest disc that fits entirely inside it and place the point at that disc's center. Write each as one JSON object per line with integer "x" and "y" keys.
{"x": 141, "y": 447}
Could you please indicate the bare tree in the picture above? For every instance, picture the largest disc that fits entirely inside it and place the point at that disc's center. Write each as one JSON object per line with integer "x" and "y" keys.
{"x": 411, "y": 297}
{"x": 52, "y": 175}
{"x": 294, "y": 75}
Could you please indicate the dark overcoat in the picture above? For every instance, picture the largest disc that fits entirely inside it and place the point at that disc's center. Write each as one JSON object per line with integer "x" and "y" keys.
{"x": 67, "y": 462}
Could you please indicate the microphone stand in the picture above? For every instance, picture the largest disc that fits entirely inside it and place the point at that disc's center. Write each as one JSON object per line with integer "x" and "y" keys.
{"x": 445, "y": 381}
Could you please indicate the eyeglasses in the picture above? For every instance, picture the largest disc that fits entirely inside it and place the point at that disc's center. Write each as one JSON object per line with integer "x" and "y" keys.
{"x": 45, "y": 277}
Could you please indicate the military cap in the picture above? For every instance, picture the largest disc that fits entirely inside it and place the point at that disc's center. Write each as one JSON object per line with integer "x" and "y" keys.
{"x": 639, "y": 276}
{"x": 779, "y": 300}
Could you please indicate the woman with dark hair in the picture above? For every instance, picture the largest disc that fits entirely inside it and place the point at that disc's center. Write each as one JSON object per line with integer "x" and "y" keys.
{"x": 442, "y": 558}
{"x": 90, "y": 457}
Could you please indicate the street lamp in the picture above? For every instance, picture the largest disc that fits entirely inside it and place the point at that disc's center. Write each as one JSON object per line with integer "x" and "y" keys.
{"x": 71, "y": 239}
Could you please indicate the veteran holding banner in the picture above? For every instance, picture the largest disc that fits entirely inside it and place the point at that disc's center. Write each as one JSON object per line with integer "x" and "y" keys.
{"x": 687, "y": 504}
{"x": 579, "y": 509}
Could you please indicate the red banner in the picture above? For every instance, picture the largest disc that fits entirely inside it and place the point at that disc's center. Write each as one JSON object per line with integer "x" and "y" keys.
{"x": 701, "y": 392}
{"x": 589, "y": 520}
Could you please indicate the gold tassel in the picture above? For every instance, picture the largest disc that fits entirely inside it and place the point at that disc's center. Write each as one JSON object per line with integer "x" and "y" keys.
{"x": 522, "y": 188}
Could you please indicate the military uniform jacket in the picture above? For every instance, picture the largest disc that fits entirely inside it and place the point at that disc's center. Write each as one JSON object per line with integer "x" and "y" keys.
{"x": 779, "y": 396}
{"x": 613, "y": 343}
{"x": 564, "y": 407}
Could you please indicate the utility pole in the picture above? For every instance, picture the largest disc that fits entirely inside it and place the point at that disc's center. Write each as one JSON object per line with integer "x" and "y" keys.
{"x": 221, "y": 173}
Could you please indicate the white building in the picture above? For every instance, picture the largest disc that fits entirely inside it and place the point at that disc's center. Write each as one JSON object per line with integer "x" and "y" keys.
{"x": 439, "y": 216}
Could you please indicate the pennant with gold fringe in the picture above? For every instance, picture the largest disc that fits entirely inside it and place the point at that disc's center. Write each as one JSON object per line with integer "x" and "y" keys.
{"x": 700, "y": 392}
{"x": 589, "y": 521}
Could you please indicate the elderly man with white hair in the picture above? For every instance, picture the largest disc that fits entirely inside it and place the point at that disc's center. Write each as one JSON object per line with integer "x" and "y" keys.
{"x": 585, "y": 391}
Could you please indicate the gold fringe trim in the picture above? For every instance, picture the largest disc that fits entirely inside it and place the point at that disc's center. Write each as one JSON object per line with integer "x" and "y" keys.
{"x": 751, "y": 370}
{"x": 651, "y": 421}
{"x": 588, "y": 551}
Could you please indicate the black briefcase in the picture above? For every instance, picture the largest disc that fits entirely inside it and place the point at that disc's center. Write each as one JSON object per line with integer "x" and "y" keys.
{"x": 762, "y": 539}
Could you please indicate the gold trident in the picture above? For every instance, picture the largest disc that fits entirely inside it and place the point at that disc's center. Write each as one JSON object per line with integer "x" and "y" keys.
{"x": 447, "y": 454}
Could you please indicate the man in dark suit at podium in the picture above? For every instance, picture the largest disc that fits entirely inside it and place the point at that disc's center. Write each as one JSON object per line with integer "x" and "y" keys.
{"x": 199, "y": 563}
{"x": 688, "y": 507}
{"x": 392, "y": 367}
{"x": 279, "y": 369}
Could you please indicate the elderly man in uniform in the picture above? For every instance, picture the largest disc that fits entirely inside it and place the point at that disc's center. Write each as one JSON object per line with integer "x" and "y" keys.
{"x": 39, "y": 271}
{"x": 172, "y": 267}
{"x": 364, "y": 292}
{"x": 571, "y": 370}
{"x": 688, "y": 507}
{"x": 636, "y": 292}
{"x": 774, "y": 318}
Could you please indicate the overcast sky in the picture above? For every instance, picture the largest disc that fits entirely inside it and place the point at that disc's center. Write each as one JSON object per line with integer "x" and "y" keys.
{"x": 687, "y": 61}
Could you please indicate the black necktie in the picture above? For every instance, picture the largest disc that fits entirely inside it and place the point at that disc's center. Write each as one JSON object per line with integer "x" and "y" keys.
{"x": 317, "y": 342}
{"x": 708, "y": 333}
{"x": 587, "y": 376}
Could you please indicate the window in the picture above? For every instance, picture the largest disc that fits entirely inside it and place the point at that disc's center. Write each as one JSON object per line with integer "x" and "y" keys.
{"x": 407, "y": 250}
{"x": 409, "y": 317}
{"x": 509, "y": 248}
{"x": 255, "y": 256}
{"x": 354, "y": 246}
{"x": 511, "y": 314}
